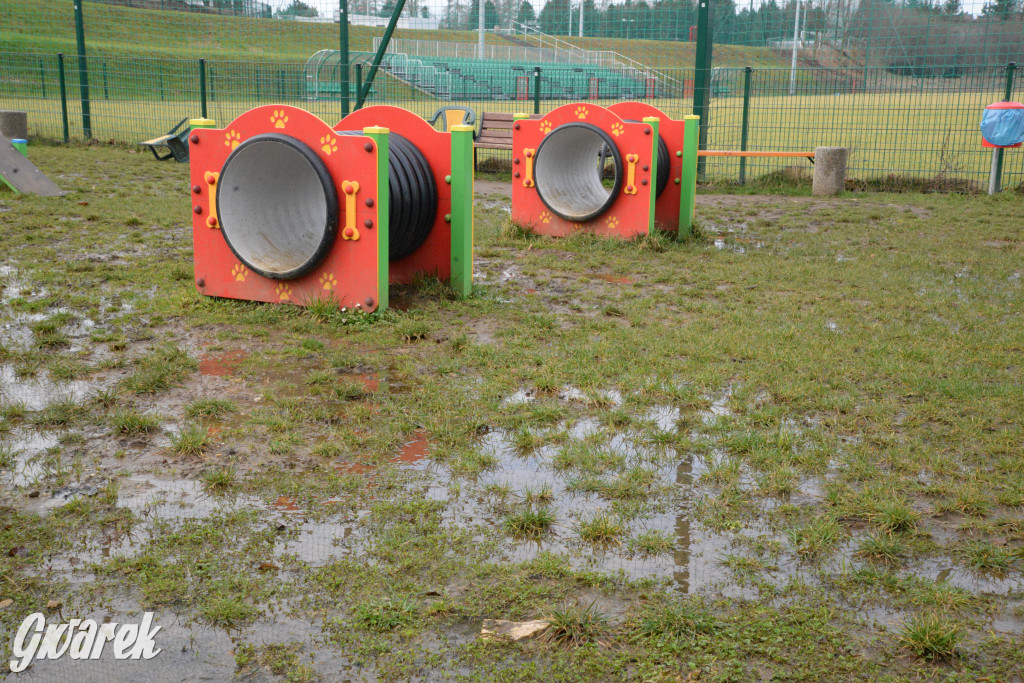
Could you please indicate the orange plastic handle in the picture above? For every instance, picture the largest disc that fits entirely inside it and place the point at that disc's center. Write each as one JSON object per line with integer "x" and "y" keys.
{"x": 631, "y": 160}
{"x": 529, "y": 154}
{"x": 211, "y": 178}
{"x": 351, "y": 189}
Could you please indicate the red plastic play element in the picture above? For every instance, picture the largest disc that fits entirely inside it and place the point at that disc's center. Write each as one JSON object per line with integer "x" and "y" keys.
{"x": 434, "y": 256}
{"x": 349, "y": 271}
{"x": 629, "y": 215}
{"x": 673, "y": 132}
{"x": 1002, "y": 105}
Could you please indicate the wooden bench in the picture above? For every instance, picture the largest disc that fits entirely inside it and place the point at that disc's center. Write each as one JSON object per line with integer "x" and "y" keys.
{"x": 495, "y": 132}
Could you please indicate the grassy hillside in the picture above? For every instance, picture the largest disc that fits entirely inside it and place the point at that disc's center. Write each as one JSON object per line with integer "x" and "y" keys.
{"x": 115, "y": 30}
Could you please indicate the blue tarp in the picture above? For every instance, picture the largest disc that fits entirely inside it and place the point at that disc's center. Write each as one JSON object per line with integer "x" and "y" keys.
{"x": 1003, "y": 127}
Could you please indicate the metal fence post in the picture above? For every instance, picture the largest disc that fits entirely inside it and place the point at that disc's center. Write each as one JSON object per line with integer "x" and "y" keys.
{"x": 536, "y": 90}
{"x": 702, "y": 75}
{"x": 745, "y": 126}
{"x": 42, "y": 78}
{"x": 83, "y": 70}
{"x": 997, "y": 162}
{"x": 202, "y": 87}
{"x": 343, "y": 56}
{"x": 106, "y": 90}
{"x": 63, "y": 96}
{"x": 359, "y": 81}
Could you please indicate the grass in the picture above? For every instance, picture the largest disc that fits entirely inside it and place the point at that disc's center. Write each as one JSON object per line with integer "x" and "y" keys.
{"x": 931, "y": 636}
{"x": 874, "y": 468}
{"x": 576, "y": 625}
{"x": 131, "y": 422}
{"x": 192, "y": 440}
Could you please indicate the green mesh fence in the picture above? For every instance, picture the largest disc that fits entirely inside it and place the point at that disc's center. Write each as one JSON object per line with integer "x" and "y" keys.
{"x": 902, "y": 84}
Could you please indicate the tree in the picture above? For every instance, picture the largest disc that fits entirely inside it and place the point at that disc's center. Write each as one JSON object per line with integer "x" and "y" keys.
{"x": 491, "y": 18}
{"x": 388, "y": 8}
{"x": 526, "y": 14}
{"x": 1000, "y": 8}
{"x": 425, "y": 12}
{"x": 952, "y": 7}
{"x": 554, "y": 17}
{"x": 297, "y": 9}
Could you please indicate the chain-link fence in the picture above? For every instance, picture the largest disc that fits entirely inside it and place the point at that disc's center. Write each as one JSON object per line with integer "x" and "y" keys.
{"x": 902, "y": 84}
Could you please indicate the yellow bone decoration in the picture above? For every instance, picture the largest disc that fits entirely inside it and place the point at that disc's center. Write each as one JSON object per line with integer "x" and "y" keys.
{"x": 631, "y": 160}
{"x": 351, "y": 189}
{"x": 529, "y": 154}
{"x": 211, "y": 178}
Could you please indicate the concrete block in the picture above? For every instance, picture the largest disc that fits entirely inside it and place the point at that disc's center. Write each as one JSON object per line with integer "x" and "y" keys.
{"x": 14, "y": 124}
{"x": 829, "y": 170}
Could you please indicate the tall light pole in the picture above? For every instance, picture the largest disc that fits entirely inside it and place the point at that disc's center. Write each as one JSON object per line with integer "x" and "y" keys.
{"x": 480, "y": 40}
{"x": 582, "y": 2}
{"x": 792, "y": 67}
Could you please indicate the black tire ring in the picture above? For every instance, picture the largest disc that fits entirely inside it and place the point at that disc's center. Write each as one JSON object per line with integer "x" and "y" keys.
{"x": 412, "y": 196}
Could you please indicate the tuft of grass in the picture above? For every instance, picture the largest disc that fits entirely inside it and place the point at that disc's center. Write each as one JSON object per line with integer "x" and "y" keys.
{"x": 894, "y": 516}
{"x": 385, "y": 614}
{"x": 541, "y": 495}
{"x": 677, "y": 620}
{"x": 130, "y": 421}
{"x": 220, "y": 479}
{"x": 653, "y": 543}
{"x": 882, "y": 547}
{"x": 602, "y": 528}
{"x": 60, "y": 413}
{"x": 931, "y": 636}
{"x": 986, "y": 557}
{"x": 815, "y": 538}
{"x": 208, "y": 407}
{"x": 162, "y": 368}
{"x": 191, "y": 440}
{"x": 530, "y": 522}
{"x": 574, "y": 625}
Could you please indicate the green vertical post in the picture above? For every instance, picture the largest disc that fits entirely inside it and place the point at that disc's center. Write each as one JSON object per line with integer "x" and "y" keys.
{"x": 745, "y": 125}
{"x": 702, "y": 74}
{"x": 688, "y": 178}
{"x": 63, "y": 96}
{"x": 160, "y": 70}
{"x": 343, "y": 53}
{"x": 42, "y": 78}
{"x": 202, "y": 87}
{"x": 653, "y": 122}
{"x": 381, "y": 137}
{"x": 462, "y": 210}
{"x": 106, "y": 90}
{"x": 536, "y": 90}
{"x": 83, "y": 70}
{"x": 21, "y": 146}
{"x": 359, "y": 82}
{"x": 259, "y": 85}
{"x": 1010, "y": 69}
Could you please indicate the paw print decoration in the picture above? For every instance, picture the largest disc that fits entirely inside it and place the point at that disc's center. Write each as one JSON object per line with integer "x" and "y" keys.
{"x": 279, "y": 118}
{"x": 328, "y": 144}
{"x": 238, "y": 272}
{"x": 232, "y": 139}
{"x": 328, "y": 282}
{"x": 545, "y": 217}
{"x": 581, "y": 112}
{"x": 612, "y": 222}
{"x": 545, "y": 126}
{"x": 284, "y": 292}
{"x": 618, "y": 129}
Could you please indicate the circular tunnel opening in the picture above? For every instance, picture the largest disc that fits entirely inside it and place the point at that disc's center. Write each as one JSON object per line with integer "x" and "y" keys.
{"x": 277, "y": 206}
{"x": 569, "y": 171}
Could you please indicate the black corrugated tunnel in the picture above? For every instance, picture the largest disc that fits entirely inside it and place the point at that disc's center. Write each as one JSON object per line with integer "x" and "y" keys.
{"x": 569, "y": 170}
{"x": 278, "y": 208}
{"x": 412, "y": 195}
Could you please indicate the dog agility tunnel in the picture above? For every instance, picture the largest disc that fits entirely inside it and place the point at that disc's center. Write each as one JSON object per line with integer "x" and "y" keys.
{"x": 289, "y": 209}
{"x": 605, "y": 170}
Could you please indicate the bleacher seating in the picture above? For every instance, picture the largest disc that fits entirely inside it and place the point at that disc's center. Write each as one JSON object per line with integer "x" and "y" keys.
{"x": 475, "y": 79}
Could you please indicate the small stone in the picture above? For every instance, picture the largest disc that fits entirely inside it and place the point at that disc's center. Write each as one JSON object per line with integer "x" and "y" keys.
{"x": 268, "y": 566}
{"x": 513, "y": 630}
{"x": 33, "y": 494}
{"x": 4, "y": 604}
{"x": 54, "y": 604}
